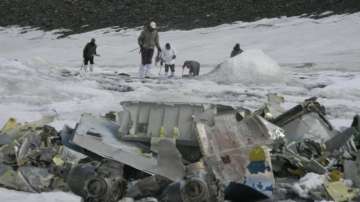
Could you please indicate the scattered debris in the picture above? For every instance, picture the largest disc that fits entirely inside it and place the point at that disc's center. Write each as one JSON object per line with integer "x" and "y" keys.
{"x": 188, "y": 152}
{"x": 28, "y": 152}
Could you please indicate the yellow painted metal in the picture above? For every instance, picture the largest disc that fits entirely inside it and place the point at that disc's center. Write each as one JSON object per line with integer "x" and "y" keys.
{"x": 162, "y": 132}
{"x": 339, "y": 192}
{"x": 335, "y": 176}
{"x": 9, "y": 125}
{"x": 257, "y": 154}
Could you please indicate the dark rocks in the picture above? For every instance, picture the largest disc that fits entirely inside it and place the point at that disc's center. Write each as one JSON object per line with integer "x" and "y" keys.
{"x": 180, "y": 14}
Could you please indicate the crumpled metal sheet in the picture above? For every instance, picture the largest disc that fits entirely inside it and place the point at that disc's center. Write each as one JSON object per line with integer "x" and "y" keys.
{"x": 228, "y": 148}
{"x": 12, "y": 179}
{"x": 341, "y": 140}
{"x": 308, "y": 126}
{"x": 29, "y": 179}
{"x": 306, "y": 120}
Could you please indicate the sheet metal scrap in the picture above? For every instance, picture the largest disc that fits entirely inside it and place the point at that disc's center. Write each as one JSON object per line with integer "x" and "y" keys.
{"x": 356, "y": 125}
{"x": 306, "y": 121}
{"x": 237, "y": 151}
{"x": 342, "y": 146}
{"x": 100, "y": 136}
{"x": 352, "y": 170}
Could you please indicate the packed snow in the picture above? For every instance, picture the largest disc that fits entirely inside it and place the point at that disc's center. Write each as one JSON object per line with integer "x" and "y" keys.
{"x": 293, "y": 56}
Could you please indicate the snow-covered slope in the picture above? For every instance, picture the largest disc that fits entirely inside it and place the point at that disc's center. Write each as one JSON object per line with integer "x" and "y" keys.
{"x": 313, "y": 53}
{"x": 328, "y": 41}
{"x": 39, "y": 73}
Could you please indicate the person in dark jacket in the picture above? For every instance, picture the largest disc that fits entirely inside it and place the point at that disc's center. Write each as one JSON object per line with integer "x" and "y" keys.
{"x": 236, "y": 50}
{"x": 88, "y": 54}
{"x": 193, "y": 66}
{"x": 148, "y": 39}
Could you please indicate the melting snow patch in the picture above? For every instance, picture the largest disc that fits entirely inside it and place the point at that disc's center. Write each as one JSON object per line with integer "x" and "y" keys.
{"x": 252, "y": 66}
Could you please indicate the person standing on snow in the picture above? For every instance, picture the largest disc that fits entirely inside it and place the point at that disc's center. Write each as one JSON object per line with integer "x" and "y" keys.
{"x": 168, "y": 56}
{"x": 236, "y": 50}
{"x": 88, "y": 54}
{"x": 148, "y": 39}
{"x": 193, "y": 66}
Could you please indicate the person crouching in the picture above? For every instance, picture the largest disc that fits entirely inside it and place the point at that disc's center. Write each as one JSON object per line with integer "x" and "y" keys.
{"x": 193, "y": 66}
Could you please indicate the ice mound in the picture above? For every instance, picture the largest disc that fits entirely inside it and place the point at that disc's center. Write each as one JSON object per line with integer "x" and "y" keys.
{"x": 252, "y": 66}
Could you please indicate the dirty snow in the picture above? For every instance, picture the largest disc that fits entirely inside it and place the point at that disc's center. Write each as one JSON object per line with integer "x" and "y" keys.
{"x": 39, "y": 74}
{"x": 311, "y": 181}
{"x": 10, "y": 196}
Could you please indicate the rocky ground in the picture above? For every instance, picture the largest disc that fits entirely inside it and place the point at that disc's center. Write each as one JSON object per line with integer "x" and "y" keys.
{"x": 83, "y": 15}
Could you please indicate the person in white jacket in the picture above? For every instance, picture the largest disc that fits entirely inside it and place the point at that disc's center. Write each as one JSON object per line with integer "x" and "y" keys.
{"x": 168, "y": 56}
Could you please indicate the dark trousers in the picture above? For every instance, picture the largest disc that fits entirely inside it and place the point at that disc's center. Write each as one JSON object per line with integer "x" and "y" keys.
{"x": 146, "y": 55}
{"x": 172, "y": 68}
{"x": 87, "y": 59}
{"x": 194, "y": 71}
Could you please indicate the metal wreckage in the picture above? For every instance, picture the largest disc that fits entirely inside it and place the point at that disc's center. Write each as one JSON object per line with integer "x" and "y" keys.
{"x": 185, "y": 152}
